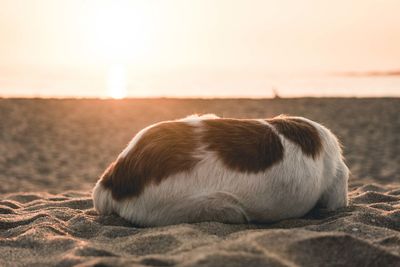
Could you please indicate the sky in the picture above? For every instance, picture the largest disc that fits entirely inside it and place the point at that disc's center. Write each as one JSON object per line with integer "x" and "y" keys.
{"x": 142, "y": 45}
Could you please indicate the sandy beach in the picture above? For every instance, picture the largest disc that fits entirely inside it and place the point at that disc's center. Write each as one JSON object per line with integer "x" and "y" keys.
{"x": 53, "y": 151}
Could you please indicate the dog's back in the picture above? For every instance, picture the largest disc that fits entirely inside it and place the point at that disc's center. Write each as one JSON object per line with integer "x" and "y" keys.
{"x": 229, "y": 170}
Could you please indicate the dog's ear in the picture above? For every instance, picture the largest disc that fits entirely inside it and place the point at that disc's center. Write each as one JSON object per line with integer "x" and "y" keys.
{"x": 162, "y": 151}
{"x": 126, "y": 179}
{"x": 120, "y": 178}
{"x": 106, "y": 177}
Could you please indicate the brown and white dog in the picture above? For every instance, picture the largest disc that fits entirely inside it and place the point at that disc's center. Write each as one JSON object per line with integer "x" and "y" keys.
{"x": 206, "y": 168}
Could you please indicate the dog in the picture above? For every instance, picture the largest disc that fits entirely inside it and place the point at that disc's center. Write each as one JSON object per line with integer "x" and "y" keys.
{"x": 206, "y": 168}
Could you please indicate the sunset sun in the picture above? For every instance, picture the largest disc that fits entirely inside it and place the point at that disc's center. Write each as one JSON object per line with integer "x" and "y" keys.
{"x": 116, "y": 82}
{"x": 121, "y": 32}
{"x": 120, "y": 35}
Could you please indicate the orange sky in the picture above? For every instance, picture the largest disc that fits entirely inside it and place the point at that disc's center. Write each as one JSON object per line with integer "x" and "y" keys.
{"x": 148, "y": 36}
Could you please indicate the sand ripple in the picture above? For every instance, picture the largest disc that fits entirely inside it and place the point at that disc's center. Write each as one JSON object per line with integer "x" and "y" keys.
{"x": 40, "y": 229}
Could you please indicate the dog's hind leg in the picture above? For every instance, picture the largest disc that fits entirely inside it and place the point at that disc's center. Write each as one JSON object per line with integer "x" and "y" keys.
{"x": 336, "y": 195}
{"x": 218, "y": 206}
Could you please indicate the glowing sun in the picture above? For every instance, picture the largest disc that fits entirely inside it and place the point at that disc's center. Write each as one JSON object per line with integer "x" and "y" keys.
{"x": 116, "y": 82}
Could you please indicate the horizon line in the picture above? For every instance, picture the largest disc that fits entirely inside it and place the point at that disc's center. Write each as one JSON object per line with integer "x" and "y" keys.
{"x": 189, "y": 97}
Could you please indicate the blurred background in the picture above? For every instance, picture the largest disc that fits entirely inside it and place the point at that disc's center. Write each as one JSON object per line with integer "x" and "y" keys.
{"x": 199, "y": 48}
{"x": 126, "y": 51}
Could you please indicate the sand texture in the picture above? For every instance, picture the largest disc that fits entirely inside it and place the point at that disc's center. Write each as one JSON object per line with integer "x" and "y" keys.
{"x": 52, "y": 152}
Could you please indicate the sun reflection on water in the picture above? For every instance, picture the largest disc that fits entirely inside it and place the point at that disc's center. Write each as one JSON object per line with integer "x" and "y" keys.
{"x": 116, "y": 82}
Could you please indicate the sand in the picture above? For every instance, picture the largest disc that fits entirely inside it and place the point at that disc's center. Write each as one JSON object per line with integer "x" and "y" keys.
{"x": 52, "y": 152}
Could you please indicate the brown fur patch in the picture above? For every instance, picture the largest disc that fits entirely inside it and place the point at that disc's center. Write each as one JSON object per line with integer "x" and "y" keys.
{"x": 164, "y": 150}
{"x": 243, "y": 145}
{"x": 300, "y": 132}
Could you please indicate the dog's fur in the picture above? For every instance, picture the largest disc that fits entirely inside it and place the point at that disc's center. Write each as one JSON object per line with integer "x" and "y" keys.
{"x": 205, "y": 168}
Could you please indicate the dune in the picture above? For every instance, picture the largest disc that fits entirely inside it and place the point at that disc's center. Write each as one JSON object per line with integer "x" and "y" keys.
{"x": 52, "y": 152}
